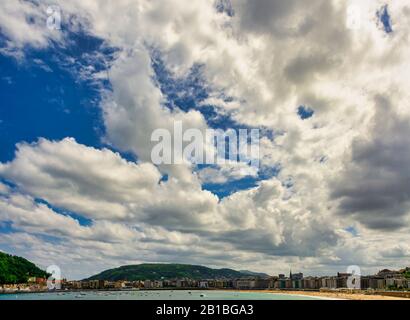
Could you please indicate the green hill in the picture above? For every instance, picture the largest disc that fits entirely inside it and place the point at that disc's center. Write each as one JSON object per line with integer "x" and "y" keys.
{"x": 15, "y": 269}
{"x": 166, "y": 271}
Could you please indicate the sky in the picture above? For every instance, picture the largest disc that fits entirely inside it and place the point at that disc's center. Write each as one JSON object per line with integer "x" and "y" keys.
{"x": 325, "y": 83}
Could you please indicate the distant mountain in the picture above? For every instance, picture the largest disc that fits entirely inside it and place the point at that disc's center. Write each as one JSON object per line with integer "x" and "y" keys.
{"x": 167, "y": 271}
{"x": 14, "y": 269}
{"x": 255, "y": 274}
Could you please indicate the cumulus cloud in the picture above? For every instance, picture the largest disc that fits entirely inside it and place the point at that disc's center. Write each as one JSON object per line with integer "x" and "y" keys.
{"x": 374, "y": 187}
{"x": 99, "y": 184}
{"x": 129, "y": 205}
{"x": 24, "y": 23}
{"x": 25, "y": 214}
{"x": 61, "y": 167}
{"x": 228, "y": 172}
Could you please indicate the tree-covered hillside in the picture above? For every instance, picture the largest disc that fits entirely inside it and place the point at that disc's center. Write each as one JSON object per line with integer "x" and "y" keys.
{"x": 166, "y": 271}
{"x": 15, "y": 269}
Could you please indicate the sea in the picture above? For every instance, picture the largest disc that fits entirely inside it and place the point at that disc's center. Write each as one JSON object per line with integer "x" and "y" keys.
{"x": 154, "y": 295}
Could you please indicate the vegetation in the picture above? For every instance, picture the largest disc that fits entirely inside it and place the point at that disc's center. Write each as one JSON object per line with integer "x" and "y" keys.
{"x": 167, "y": 271}
{"x": 15, "y": 269}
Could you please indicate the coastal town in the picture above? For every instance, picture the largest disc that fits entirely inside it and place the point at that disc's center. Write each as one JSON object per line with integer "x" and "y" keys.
{"x": 396, "y": 282}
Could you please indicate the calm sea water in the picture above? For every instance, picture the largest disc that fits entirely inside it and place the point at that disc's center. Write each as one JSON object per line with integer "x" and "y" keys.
{"x": 154, "y": 295}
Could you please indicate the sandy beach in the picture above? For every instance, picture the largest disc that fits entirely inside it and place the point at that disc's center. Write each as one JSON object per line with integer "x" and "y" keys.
{"x": 337, "y": 295}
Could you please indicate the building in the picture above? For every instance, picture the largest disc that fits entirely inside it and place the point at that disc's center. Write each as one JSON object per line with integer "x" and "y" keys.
{"x": 224, "y": 283}
{"x": 296, "y": 276}
{"x": 393, "y": 283}
{"x": 364, "y": 283}
{"x": 263, "y": 283}
{"x": 245, "y": 284}
{"x": 31, "y": 280}
{"x": 187, "y": 283}
{"x": 296, "y": 280}
{"x": 96, "y": 284}
{"x": 170, "y": 283}
{"x": 37, "y": 280}
{"x": 127, "y": 285}
{"x": 281, "y": 283}
{"x": 342, "y": 279}
{"x": 288, "y": 283}
{"x": 386, "y": 273}
{"x": 377, "y": 283}
{"x": 328, "y": 282}
{"x": 272, "y": 282}
{"x": 158, "y": 284}
{"x": 311, "y": 283}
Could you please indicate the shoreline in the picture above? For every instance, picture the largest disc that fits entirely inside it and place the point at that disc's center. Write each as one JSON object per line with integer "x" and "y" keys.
{"x": 325, "y": 295}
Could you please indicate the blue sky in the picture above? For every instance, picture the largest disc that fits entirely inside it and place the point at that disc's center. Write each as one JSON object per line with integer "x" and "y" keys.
{"x": 59, "y": 102}
{"x": 44, "y": 98}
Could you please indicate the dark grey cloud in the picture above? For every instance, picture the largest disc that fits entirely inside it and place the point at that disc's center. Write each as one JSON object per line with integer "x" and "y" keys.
{"x": 294, "y": 18}
{"x": 264, "y": 15}
{"x": 303, "y": 68}
{"x": 375, "y": 185}
{"x": 306, "y": 243}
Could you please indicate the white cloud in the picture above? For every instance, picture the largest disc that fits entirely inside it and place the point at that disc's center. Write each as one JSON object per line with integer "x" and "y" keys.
{"x": 24, "y": 23}
{"x": 129, "y": 206}
{"x": 228, "y": 172}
